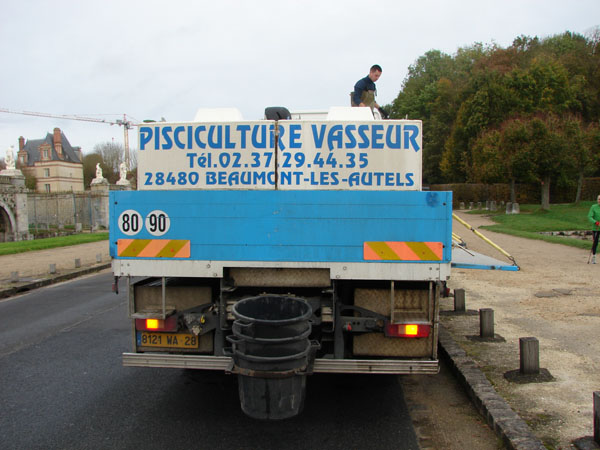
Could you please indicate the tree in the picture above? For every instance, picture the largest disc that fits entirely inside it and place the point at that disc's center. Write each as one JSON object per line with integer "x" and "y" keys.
{"x": 416, "y": 100}
{"x": 581, "y": 155}
{"x": 487, "y": 166}
{"x": 438, "y": 128}
{"x": 588, "y": 157}
{"x": 549, "y": 149}
{"x": 431, "y": 92}
{"x": 112, "y": 155}
{"x": 31, "y": 182}
{"x": 30, "y": 179}
{"x": 500, "y": 155}
{"x": 89, "y": 167}
{"x": 486, "y": 102}
{"x": 133, "y": 168}
{"x": 514, "y": 154}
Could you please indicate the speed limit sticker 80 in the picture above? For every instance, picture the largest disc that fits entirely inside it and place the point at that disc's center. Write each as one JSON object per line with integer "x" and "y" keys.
{"x": 156, "y": 222}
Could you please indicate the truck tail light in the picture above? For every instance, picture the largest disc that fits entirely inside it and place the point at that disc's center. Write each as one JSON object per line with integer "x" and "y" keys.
{"x": 408, "y": 330}
{"x": 168, "y": 324}
{"x": 154, "y": 324}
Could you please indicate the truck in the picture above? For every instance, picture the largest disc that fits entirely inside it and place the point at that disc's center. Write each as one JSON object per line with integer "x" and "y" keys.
{"x": 277, "y": 248}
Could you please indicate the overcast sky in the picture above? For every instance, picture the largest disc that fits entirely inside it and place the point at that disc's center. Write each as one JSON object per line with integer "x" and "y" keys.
{"x": 151, "y": 59}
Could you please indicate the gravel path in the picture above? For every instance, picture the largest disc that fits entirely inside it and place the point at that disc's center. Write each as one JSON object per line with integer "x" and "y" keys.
{"x": 555, "y": 297}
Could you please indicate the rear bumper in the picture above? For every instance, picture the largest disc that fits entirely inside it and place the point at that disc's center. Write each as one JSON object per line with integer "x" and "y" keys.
{"x": 400, "y": 367}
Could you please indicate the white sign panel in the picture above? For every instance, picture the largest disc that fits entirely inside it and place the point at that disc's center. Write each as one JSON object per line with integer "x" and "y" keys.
{"x": 370, "y": 155}
{"x": 320, "y": 155}
{"x": 237, "y": 155}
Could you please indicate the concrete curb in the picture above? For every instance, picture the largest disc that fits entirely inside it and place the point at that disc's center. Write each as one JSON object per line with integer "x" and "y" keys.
{"x": 20, "y": 288}
{"x": 506, "y": 423}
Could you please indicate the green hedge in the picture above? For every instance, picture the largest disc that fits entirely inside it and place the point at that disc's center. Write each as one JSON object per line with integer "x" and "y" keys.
{"x": 525, "y": 193}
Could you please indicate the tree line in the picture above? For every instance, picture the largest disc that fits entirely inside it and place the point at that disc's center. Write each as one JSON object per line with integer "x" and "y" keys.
{"x": 528, "y": 113}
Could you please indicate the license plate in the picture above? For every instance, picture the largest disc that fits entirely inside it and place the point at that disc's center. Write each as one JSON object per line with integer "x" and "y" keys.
{"x": 167, "y": 340}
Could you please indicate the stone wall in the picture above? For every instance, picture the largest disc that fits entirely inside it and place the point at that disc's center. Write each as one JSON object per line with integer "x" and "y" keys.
{"x": 90, "y": 209}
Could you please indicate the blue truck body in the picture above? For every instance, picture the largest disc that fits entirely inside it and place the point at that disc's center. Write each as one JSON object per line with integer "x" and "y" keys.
{"x": 294, "y": 226}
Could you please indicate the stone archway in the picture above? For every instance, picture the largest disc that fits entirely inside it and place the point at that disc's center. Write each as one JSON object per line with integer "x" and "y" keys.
{"x": 14, "y": 223}
{"x": 6, "y": 225}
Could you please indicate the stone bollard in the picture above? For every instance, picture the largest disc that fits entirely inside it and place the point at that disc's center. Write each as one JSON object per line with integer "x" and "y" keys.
{"x": 99, "y": 257}
{"x": 52, "y": 268}
{"x": 77, "y": 263}
{"x": 509, "y": 207}
{"x": 78, "y": 227}
{"x": 479, "y": 205}
{"x": 530, "y": 356}
{"x": 459, "y": 300}
{"x": 14, "y": 277}
{"x": 461, "y": 206}
{"x": 470, "y": 205}
{"x": 493, "y": 206}
{"x": 597, "y": 417}
{"x": 486, "y": 323}
{"x": 515, "y": 208}
{"x": 487, "y": 205}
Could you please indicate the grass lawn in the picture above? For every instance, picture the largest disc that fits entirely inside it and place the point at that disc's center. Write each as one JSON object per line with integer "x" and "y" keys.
{"x": 9, "y": 248}
{"x": 533, "y": 220}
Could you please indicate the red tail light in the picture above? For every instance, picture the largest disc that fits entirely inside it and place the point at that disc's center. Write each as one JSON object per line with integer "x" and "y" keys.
{"x": 409, "y": 330}
{"x": 168, "y": 324}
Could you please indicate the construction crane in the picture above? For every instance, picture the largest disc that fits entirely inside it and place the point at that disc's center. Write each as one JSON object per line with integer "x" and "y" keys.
{"x": 126, "y": 124}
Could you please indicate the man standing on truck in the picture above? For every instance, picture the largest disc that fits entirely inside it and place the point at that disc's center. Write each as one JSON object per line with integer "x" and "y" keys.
{"x": 594, "y": 218}
{"x": 365, "y": 89}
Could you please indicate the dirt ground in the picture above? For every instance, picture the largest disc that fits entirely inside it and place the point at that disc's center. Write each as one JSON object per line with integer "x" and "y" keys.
{"x": 33, "y": 265}
{"x": 555, "y": 297}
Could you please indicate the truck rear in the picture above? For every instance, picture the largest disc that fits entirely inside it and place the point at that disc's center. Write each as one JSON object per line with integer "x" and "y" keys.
{"x": 277, "y": 249}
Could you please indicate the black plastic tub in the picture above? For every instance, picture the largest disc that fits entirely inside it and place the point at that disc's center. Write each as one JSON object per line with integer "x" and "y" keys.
{"x": 272, "y": 316}
{"x": 271, "y": 350}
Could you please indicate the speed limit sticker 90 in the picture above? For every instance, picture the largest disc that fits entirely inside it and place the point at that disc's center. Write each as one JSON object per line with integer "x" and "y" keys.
{"x": 156, "y": 222}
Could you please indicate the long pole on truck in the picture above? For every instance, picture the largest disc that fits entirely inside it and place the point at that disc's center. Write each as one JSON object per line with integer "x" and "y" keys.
{"x": 478, "y": 234}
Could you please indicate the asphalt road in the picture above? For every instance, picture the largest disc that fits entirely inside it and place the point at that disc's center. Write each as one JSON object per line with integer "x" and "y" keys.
{"x": 62, "y": 386}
